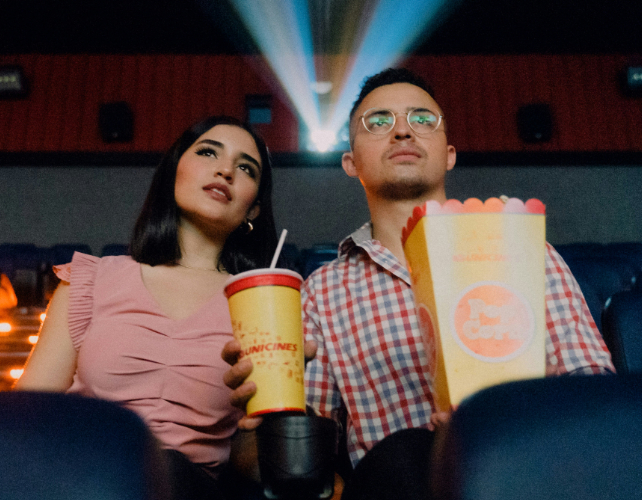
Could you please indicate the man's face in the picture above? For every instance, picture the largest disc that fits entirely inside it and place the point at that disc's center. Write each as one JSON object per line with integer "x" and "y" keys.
{"x": 399, "y": 165}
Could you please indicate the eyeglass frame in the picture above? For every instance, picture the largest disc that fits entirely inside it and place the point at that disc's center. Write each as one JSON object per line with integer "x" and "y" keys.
{"x": 394, "y": 117}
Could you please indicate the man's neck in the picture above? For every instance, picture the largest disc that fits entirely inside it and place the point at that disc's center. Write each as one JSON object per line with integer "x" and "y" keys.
{"x": 390, "y": 217}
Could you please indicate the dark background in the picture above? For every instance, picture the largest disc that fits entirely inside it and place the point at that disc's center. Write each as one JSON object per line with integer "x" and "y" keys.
{"x": 184, "y": 26}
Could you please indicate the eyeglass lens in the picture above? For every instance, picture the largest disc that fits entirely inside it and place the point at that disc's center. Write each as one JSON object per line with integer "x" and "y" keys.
{"x": 381, "y": 121}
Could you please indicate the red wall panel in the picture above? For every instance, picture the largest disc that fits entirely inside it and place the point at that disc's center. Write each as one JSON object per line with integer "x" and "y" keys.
{"x": 480, "y": 96}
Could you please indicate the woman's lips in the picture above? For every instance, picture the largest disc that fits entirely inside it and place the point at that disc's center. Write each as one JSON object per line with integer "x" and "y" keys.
{"x": 218, "y": 191}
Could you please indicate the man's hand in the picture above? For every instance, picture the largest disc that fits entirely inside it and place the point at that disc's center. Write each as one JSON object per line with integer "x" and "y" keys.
{"x": 439, "y": 419}
{"x": 243, "y": 391}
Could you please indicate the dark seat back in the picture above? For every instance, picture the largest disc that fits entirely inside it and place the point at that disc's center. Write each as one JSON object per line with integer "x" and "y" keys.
{"x": 63, "y": 252}
{"x": 62, "y": 447}
{"x": 562, "y": 438}
{"x": 25, "y": 265}
{"x": 314, "y": 257}
{"x": 114, "y": 249}
{"x": 622, "y": 330}
{"x": 600, "y": 277}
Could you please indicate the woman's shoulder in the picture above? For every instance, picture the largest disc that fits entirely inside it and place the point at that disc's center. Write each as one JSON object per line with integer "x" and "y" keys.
{"x": 82, "y": 263}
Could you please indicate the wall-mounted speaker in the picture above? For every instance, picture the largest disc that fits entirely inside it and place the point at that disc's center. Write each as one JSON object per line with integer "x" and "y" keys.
{"x": 632, "y": 80}
{"x": 535, "y": 122}
{"x": 116, "y": 122}
{"x": 258, "y": 109}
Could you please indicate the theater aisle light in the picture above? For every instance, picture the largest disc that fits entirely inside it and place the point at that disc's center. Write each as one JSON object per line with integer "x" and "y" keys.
{"x": 16, "y": 373}
{"x": 5, "y": 327}
{"x": 321, "y": 51}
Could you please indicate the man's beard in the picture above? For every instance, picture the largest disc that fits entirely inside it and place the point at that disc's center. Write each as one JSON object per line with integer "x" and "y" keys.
{"x": 406, "y": 189}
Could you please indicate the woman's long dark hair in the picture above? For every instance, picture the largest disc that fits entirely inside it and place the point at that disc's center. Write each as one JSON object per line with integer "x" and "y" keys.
{"x": 155, "y": 237}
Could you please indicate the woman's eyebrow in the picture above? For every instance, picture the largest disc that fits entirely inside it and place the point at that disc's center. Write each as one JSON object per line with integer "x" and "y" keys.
{"x": 245, "y": 156}
{"x": 212, "y": 142}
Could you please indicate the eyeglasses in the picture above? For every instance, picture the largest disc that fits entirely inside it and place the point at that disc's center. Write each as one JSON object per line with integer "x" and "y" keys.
{"x": 381, "y": 121}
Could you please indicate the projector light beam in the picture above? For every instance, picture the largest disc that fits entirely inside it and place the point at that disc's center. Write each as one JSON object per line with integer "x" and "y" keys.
{"x": 371, "y": 35}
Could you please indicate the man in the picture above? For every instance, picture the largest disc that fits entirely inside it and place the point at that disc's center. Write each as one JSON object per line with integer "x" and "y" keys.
{"x": 370, "y": 363}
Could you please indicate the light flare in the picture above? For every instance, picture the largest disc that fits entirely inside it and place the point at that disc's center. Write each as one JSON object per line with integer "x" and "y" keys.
{"x": 351, "y": 40}
{"x": 282, "y": 31}
{"x": 323, "y": 139}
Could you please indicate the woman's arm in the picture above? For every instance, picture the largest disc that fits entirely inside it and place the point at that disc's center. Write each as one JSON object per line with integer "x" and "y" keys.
{"x": 52, "y": 363}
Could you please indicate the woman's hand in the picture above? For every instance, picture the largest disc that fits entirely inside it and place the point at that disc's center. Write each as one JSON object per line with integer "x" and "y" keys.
{"x": 235, "y": 378}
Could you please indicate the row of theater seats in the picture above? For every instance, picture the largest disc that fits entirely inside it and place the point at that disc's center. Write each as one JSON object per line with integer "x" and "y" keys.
{"x": 28, "y": 267}
{"x": 308, "y": 259}
{"x": 557, "y": 438}
{"x": 602, "y": 270}
{"x": 610, "y": 276}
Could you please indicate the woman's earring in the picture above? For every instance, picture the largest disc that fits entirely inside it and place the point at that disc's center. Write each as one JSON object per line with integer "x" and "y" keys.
{"x": 248, "y": 222}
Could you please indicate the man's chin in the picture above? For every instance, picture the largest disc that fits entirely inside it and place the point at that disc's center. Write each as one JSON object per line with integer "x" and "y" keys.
{"x": 404, "y": 190}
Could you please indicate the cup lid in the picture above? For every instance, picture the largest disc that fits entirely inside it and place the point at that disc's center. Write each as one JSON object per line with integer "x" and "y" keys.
{"x": 262, "y": 277}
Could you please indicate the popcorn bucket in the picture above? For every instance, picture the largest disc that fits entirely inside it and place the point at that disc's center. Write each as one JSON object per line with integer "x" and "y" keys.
{"x": 478, "y": 276}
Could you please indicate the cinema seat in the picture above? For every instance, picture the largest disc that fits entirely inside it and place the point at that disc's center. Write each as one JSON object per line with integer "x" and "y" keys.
{"x": 63, "y": 252}
{"x": 114, "y": 249}
{"x": 622, "y": 330}
{"x": 314, "y": 257}
{"x": 560, "y": 438}
{"x": 63, "y": 447}
{"x": 25, "y": 265}
{"x": 600, "y": 277}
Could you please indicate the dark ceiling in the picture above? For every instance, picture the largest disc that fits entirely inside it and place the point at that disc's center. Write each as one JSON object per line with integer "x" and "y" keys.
{"x": 182, "y": 26}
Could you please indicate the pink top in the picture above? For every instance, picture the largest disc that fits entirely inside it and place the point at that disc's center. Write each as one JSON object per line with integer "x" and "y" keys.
{"x": 168, "y": 371}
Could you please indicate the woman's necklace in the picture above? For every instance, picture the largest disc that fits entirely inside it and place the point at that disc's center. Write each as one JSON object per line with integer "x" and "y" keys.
{"x": 197, "y": 268}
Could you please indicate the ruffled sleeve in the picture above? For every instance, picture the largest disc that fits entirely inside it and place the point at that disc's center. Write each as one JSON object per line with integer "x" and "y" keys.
{"x": 80, "y": 273}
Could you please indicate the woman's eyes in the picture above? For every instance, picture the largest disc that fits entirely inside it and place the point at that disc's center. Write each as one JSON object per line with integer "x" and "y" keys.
{"x": 245, "y": 167}
{"x": 207, "y": 152}
{"x": 248, "y": 169}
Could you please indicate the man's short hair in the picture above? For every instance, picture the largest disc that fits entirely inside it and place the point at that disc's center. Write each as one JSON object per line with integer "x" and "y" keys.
{"x": 388, "y": 77}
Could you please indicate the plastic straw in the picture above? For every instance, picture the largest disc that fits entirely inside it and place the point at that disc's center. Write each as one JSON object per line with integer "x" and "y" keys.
{"x": 278, "y": 248}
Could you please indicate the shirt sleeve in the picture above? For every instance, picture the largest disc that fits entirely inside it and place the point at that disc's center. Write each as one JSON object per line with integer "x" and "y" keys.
{"x": 322, "y": 392}
{"x": 573, "y": 344}
{"x": 80, "y": 273}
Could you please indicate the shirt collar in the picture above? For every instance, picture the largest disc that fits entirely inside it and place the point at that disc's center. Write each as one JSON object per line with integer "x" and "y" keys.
{"x": 362, "y": 238}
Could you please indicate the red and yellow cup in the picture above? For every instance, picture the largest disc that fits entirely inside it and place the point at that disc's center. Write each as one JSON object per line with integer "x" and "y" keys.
{"x": 265, "y": 307}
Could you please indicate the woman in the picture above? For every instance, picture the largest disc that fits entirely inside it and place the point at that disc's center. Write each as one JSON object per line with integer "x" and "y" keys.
{"x": 147, "y": 330}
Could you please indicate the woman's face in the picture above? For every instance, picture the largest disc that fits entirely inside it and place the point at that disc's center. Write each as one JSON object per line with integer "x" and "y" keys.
{"x": 217, "y": 179}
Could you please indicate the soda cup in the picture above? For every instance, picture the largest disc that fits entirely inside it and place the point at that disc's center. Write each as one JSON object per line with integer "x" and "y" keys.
{"x": 265, "y": 307}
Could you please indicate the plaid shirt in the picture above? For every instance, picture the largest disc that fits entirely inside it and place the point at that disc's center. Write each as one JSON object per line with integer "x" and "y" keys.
{"x": 360, "y": 309}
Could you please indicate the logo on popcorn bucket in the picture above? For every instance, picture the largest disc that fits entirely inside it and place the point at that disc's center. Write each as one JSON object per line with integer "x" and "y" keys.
{"x": 492, "y": 322}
